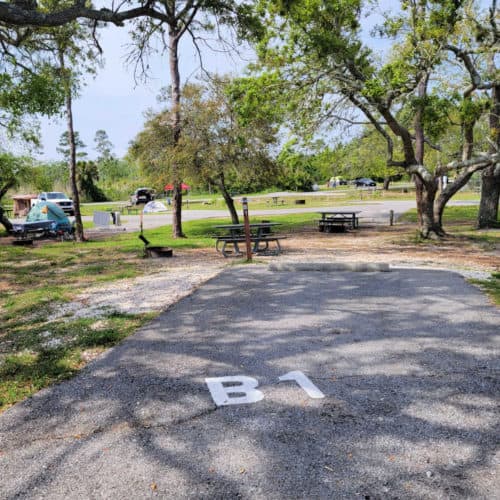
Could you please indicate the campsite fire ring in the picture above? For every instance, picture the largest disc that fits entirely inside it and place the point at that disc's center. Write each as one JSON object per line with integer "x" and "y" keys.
{"x": 158, "y": 252}
{"x": 154, "y": 252}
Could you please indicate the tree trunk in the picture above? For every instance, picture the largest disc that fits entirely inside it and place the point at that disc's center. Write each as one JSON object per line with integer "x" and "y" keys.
{"x": 490, "y": 196}
{"x": 431, "y": 226}
{"x": 490, "y": 179}
{"x": 228, "y": 199}
{"x": 387, "y": 181}
{"x": 425, "y": 209}
{"x": 5, "y": 221}
{"x": 173, "y": 55}
{"x": 419, "y": 195}
{"x": 79, "y": 236}
{"x": 429, "y": 219}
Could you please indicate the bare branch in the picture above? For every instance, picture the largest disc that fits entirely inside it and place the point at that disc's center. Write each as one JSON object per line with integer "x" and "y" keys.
{"x": 16, "y": 15}
{"x": 194, "y": 39}
{"x": 94, "y": 37}
{"x": 378, "y": 126}
{"x": 427, "y": 141}
{"x": 421, "y": 172}
{"x": 476, "y": 80}
{"x": 482, "y": 161}
{"x": 351, "y": 122}
{"x": 187, "y": 22}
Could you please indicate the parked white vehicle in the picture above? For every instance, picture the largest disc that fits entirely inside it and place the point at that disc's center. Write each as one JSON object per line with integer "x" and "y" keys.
{"x": 60, "y": 199}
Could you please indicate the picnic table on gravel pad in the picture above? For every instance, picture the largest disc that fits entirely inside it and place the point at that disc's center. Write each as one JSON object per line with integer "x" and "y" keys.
{"x": 261, "y": 236}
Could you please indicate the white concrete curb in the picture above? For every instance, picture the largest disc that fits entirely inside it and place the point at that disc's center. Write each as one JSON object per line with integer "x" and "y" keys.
{"x": 330, "y": 266}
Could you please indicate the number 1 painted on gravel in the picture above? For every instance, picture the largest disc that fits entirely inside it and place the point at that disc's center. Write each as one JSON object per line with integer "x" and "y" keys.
{"x": 311, "y": 390}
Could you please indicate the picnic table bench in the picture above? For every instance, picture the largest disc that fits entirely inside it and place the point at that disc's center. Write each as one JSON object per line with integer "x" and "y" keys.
{"x": 275, "y": 201}
{"x": 129, "y": 209}
{"x": 261, "y": 237}
{"x": 335, "y": 221}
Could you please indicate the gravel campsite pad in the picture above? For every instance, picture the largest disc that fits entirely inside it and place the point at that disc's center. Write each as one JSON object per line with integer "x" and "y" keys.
{"x": 346, "y": 384}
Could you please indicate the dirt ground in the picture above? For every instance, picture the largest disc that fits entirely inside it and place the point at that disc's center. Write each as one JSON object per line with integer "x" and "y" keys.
{"x": 396, "y": 245}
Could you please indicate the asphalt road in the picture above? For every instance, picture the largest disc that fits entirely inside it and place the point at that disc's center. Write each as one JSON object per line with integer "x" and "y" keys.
{"x": 371, "y": 212}
{"x": 398, "y": 396}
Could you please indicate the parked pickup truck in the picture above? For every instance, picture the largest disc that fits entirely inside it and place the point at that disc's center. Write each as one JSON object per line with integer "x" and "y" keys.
{"x": 59, "y": 199}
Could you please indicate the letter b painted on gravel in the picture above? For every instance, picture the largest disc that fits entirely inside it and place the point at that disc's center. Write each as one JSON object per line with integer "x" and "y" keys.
{"x": 241, "y": 391}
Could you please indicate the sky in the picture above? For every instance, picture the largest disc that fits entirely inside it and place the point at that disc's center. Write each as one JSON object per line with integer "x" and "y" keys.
{"x": 113, "y": 102}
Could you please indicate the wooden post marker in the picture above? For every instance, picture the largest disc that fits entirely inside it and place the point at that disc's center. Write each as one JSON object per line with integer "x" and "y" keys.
{"x": 247, "y": 229}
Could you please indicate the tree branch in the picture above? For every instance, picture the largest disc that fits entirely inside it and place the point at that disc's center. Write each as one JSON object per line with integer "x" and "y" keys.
{"x": 187, "y": 22}
{"x": 378, "y": 126}
{"x": 16, "y": 15}
{"x": 482, "y": 161}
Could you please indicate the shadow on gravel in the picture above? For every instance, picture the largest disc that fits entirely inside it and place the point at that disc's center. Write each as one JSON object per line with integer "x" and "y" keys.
{"x": 406, "y": 360}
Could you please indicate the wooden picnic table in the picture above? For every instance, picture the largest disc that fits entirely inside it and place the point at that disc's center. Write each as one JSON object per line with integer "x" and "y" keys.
{"x": 338, "y": 219}
{"x": 131, "y": 209}
{"x": 261, "y": 236}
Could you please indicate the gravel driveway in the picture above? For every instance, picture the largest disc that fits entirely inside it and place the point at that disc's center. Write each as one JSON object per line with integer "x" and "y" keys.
{"x": 407, "y": 362}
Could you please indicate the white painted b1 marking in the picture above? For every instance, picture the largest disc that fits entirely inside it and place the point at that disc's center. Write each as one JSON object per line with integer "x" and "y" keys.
{"x": 221, "y": 394}
{"x": 246, "y": 385}
{"x": 304, "y": 382}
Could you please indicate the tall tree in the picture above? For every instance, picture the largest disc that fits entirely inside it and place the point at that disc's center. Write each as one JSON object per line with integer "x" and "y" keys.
{"x": 174, "y": 19}
{"x": 217, "y": 146}
{"x": 316, "y": 48}
{"x": 64, "y": 146}
{"x": 103, "y": 146}
{"x": 77, "y": 53}
{"x": 475, "y": 47}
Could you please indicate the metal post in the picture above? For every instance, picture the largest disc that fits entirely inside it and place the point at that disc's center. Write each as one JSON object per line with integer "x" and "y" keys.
{"x": 391, "y": 217}
{"x": 247, "y": 229}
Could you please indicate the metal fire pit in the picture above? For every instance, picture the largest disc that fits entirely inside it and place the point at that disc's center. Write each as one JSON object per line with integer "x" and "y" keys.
{"x": 158, "y": 252}
{"x": 155, "y": 252}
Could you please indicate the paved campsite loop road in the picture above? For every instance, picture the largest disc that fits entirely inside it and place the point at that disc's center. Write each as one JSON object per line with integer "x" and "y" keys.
{"x": 371, "y": 212}
{"x": 407, "y": 362}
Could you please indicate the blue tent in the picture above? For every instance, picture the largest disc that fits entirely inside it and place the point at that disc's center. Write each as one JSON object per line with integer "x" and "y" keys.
{"x": 45, "y": 219}
{"x": 45, "y": 210}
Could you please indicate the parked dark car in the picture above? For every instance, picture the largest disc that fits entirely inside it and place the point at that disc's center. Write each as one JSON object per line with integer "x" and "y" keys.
{"x": 364, "y": 182}
{"x": 142, "y": 195}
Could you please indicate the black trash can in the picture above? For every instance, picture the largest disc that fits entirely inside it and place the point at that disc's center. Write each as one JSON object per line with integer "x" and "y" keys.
{"x": 265, "y": 230}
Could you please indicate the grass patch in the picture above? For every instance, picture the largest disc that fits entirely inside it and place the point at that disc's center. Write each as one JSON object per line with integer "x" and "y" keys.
{"x": 35, "y": 350}
{"x": 31, "y": 301}
{"x": 25, "y": 373}
{"x": 491, "y": 286}
{"x": 56, "y": 350}
{"x": 466, "y": 214}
